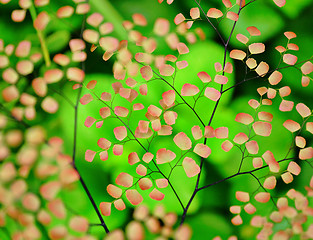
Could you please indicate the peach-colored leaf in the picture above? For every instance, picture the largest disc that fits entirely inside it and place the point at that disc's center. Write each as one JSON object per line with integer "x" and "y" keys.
{"x": 118, "y": 149}
{"x": 133, "y": 196}
{"x": 156, "y": 195}
{"x": 109, "y": 44}
{"x": 57, "y": 208}
{"x": 24, "y": 67}
{"x": 262, "y": 197}
{"x": 290, "y": 59}
{"x": 89, "y": 155}
{"x": 91, "y": 36}
{"x": 65, "y": 12}
{"x": 204, "y": 77}
{"x": 114, "y": 191}
{"x": 75, "y": 74}
{"x": 253, "y": 31}
{"x": 202, "y": 150}
{"x": 242, "y": 38}
{"x": 262, "y": 128}
{"x": 291, "y": 125}
{"x": 287, "y": 177}
{"x": 307, "y": 68}
{"x": 262, "y": 69}
{"x": 309, "y": 127}
{"x": 271, "y": 162}
{"x": 89, "y": 121}
{"x": 237, "y": 220}
{"x": 252, "y": 147}
{"x": 244, "y": 118}
{"x": 221, "y": 132}
{"x": 232, "y": 16}
{"x": 306, "y": 153}
{"x": 196, "y": 132}
{"x": 133, "y": 158}
{"x": 104, "y": 155}
{"x": 50, "y": 105}
{"x": 270, "y": 182}
{"x": 286, "y": 106}
{"x": 220, "y": 79}
{"x": 87, "y": 98}
{"x": 237, "y": 54}
{"x": 105, "y": 112}
{"x": 212, "y": 94}
{"x": 41, "y": 21}
{"x": 154, "y": 111}
{"x": 256, "y": 48}
{"x": 146, "y": 72}
{"x": 294, "y": 168}
{"x": 104, "y": 143}
{"x": 242, "y": 196}
{"x": 119, "y": 204}
{"x": 164, "y": 156}
{"x": 120, "y": 133}
{"x": 251, "y": 63}
{"x": 169, "y": 97}
{"x": 214, "y": 13}
{"x": 161, "y": 27}
{"x": 249, "y": 208}
{"x": 303, "y": 110}
{"x": 300, "y": 141}
{"x": 275, "y": 78}
{"x": 227, "y": 145}
{"x": 139, "y": 19}
{"x": 189, "y": 90}
{"x": 121, "y": 111}
{"x": 194, "y": 13}
{"x": 280, "y": 3}
{"x": 179, "y": 19}
{"x": 191, "y": 167}
{"x": 166, "y": 70}
{"x": 241, "y": 138}
{"x": 182, "y": 64}
{"x": 182, "y": 141}
{"x": 18, "y": 15}
{"x": 141, "y": 170}
{"x": 257, "y": 162}
{"x": 182, "y": 48}
{"x": 105, "y": 208}
{"x": 265, "y": 116}
{"x": 124, "y": 179}
{"x": 145, "y": 183}
{"x": 161, "y": 182}
{"x": 10, "y": 93}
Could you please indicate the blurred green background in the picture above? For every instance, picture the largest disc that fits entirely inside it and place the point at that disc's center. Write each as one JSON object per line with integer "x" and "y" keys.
{"x": 209, "y": 213}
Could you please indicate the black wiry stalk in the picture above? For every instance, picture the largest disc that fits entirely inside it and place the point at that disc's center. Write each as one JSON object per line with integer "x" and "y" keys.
{"x": 103, "y": 224}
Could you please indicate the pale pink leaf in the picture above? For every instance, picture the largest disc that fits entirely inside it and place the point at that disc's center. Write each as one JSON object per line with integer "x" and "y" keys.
{"x": 270, "y": 182}
{"x": 182, "y": 141}
{"x": 291, "y": 125}
{"x": 105, "y": 208}
{"x": 164, "y": 156}
{"x": 179, "y": 19}
{"x": 252, "y": 147}
{"x": 271, "y": 162}
{"x": 280, "y": 3}
{"x": 303, "y": 110}
{"x": 237, "y": 54}
{"x": 89, "y": 121}
{"x": 89, "y": 155}
{"x": 189, "y": 90}
{"x": 214, "y": 13}
{"x": 114, "y": 191}
{"x": 262, "y": 128}
{"x": 202, "y": 150}
{"x": 124, "y": 179}
{"x": 240, "y": 138}
{"x": 204, "y": 77}
{"x": 161, "y": 182}
{"x": 194, "y": 13}
{"x": 145, "y": 183}
{"x": 191, "y": 167}
{"x": 286, "y": 106}
{"x": 287, "y": 177}
{"x": 87, "y": 98}
{"x": 262, "y": 197}
{"x": 306, "y": 153}
{"x": 196, "y": 132}
{"x": 227, "y": 145}
{"x": 120, "y": 133}
{"x": 307, "y": 68}
{"x": 156, "y": 195}
{"x": 242, "y": 196}
{"x": 161, "y": 27}
{"x": 212, "y": 94}
{"x": 290, "y": 59}
{"x": 294, "y": 168}
{"x": 182, "y": 48}
{"x": 253, "y": 31}
{"x": 146, "y": 72}
{"x": 166, "y": 70}
{"x": 119, "y": 205}
{"x": 244, "y": 118}
{"x": 133, "y": 196}
{"x": 256, "y": 48}
{"x": 262, "y": 69}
